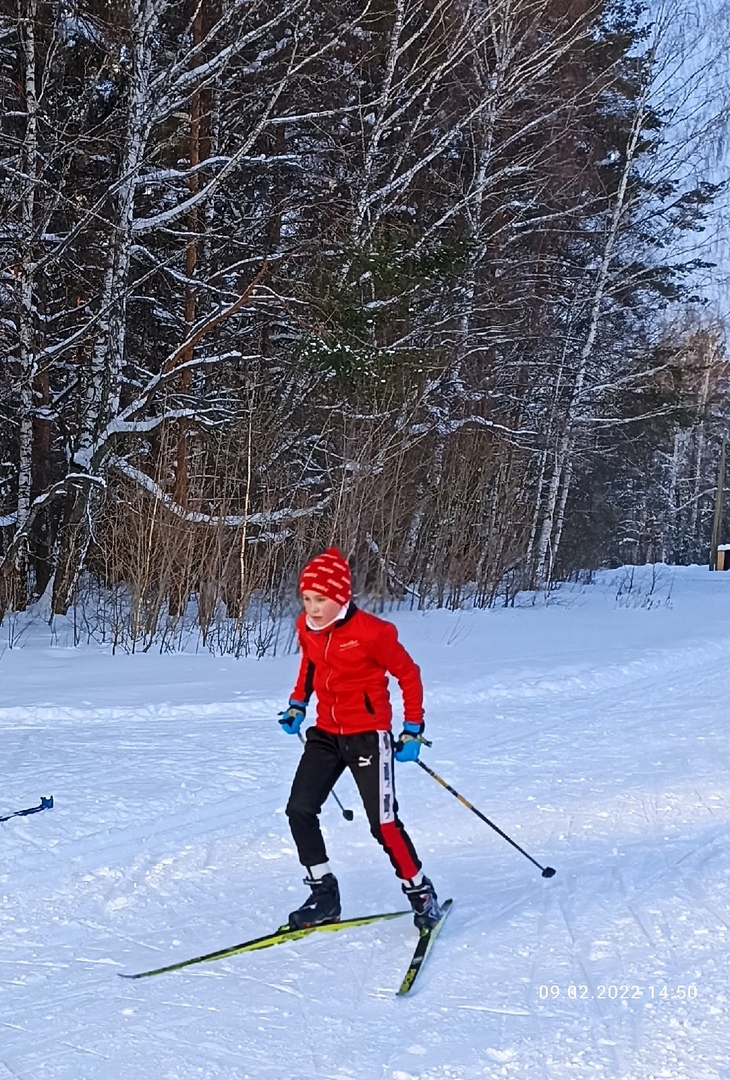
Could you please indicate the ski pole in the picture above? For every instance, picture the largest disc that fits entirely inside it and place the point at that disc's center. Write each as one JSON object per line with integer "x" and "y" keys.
{"x": 348, "y": 815}
{"x": 547, "y": 871}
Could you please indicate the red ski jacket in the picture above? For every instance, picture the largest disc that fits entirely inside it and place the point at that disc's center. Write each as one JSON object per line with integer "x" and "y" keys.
{"x": 346, "y": 666}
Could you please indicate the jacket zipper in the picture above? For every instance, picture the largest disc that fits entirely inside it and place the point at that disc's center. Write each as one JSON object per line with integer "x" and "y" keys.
{"x": 327, "y": 681}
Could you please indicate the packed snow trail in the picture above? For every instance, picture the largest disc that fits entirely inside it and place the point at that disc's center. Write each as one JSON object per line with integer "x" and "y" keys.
{"x": 594, "y": 731}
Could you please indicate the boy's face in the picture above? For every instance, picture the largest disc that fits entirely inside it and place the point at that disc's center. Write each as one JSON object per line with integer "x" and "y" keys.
{"x": 320, "y": 609}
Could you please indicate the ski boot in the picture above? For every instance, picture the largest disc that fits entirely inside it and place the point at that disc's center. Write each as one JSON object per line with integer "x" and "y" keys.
{"x": 423, "y": 900}
{"x": 322, "y": 906}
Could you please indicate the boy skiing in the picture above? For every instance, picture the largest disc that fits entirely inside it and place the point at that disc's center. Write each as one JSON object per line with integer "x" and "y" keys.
{"x": 346, "y": 654}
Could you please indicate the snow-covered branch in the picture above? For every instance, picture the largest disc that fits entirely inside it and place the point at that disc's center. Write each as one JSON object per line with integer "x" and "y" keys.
{"x": 263, "y": 519}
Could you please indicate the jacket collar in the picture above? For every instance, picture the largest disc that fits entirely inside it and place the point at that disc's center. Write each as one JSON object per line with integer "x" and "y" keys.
{"x": 339, "y": 621}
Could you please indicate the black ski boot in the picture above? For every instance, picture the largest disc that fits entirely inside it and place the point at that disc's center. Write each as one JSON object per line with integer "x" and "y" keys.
{"x": 322, "y": 906}
{"x": 426, "y": 910}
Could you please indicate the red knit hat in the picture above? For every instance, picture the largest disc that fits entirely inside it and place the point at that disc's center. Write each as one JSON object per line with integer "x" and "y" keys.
{"x": 329, "y": 575}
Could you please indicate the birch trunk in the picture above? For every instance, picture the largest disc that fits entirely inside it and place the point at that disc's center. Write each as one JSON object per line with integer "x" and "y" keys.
{"x": 102, "y": 390}
{"x": 27, "y": 315}
{"x": 563, "y": 468}
{"x": 671, "y": 552}
{"x": 179, "y": 585}
{"x": 700, "y": 442}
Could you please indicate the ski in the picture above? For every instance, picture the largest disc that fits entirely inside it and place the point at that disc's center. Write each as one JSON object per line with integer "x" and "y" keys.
{"x": 425, "y": 942}
{"x": 284, "y": 933}
{"x": 45, "y": 804}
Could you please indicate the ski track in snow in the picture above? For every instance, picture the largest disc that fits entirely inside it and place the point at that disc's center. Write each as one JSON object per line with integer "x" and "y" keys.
{"x": 596, "y": 736}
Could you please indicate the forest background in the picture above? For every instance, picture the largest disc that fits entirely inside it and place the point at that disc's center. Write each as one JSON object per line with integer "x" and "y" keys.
{"x": 439, "y": 281}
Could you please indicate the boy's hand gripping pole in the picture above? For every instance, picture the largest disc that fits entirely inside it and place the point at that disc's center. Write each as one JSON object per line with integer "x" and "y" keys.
{"x": 547, "y": 871}
{"x": 348, "y": 815}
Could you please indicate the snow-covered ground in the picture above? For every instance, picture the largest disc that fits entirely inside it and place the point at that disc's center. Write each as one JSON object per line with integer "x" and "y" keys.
{"x": 594, "y": 730}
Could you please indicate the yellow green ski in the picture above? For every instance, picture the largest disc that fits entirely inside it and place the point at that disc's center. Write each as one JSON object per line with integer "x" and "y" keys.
{"x": 283, "y": 934}
{"x": 425, "y": 942}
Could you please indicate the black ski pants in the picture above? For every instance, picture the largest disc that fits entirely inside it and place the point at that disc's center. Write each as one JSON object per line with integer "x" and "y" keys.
{"x": 369, "y": 757}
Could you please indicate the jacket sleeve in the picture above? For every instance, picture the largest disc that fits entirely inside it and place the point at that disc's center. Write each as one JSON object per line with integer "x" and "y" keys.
{"x": 398, "y": 662}
{"x": 305, "y": 678}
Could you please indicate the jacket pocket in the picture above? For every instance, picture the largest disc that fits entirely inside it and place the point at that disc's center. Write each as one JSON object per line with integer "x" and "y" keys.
{"x": 369, "y": 705}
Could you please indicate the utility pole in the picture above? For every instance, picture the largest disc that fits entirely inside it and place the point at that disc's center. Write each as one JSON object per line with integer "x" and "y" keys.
{"x": 717, "y": 518}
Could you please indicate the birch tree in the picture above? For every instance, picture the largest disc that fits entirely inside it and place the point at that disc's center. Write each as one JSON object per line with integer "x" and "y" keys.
{"x": 157, "y": 74}
{"x": 385, "y": 276}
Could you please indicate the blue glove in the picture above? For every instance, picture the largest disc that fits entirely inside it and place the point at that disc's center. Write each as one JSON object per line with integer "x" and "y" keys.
{"x": 408, "y": 747}
{"x": 292, "y": 718}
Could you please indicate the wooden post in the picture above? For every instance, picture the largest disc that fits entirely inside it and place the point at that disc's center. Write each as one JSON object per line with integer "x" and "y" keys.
{"x": 717, "y": 518}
